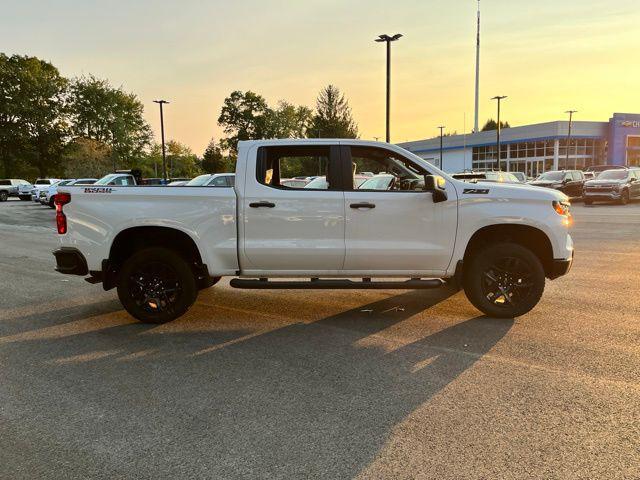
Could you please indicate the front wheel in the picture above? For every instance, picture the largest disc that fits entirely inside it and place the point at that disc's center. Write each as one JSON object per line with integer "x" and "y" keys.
{"x": 504, "y": 280}
{"x": 156, "y": 285}
{"x": 624, "y": 197}
{"x": 4, "y": 195}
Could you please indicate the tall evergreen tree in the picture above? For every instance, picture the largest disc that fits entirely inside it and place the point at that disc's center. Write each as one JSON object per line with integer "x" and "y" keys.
{"x": 332, "y": 117}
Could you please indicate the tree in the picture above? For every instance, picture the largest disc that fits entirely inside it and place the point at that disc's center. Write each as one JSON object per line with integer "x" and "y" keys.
{"x": 112, "y": 116}
{"x": 244, "y": 116}
{"x": 86, "y": 157}
{"x": 333, "y": 117}
{"x": 213, "y": 161}
{"x": 493, "y": 125}
{"x": 289, "y": 121}
{"x": 33, "y": 114}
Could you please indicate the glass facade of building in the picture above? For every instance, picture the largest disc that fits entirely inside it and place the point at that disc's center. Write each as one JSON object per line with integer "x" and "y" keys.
{"x": 534, "y": 158}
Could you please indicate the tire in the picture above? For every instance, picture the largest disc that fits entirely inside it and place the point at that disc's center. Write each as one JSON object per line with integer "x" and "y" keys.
{"x": 52, "y": 202}
{"x": 154, "y": 274}
{"x": 25, "y": 198}
{"x": 4, "y": 195}
{"x": 624, "y": 197}
{"x": 517, "y": 272}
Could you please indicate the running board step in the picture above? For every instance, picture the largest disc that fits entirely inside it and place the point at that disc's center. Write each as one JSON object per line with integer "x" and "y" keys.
{"x": 317, "y": 284}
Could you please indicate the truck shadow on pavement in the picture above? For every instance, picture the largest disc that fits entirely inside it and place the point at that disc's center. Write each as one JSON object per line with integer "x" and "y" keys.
{"x": 302, "y": 400}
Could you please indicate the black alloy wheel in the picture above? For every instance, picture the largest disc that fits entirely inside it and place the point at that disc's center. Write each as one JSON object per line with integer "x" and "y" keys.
{"x": 156, "y": 285}
{"x": 504, "y": 280}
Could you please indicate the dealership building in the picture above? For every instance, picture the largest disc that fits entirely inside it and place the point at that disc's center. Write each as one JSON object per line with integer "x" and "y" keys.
{"x": 534, "y": 149}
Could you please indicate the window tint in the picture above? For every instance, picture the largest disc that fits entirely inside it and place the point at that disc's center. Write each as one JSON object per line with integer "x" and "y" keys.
{"x": 392, "y": 172}
{"x": 218, "y": 182}
{"x": 276, "y": 165}
{"x": 5, "y": 182}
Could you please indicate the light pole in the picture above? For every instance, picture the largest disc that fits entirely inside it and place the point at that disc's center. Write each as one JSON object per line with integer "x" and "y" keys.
{"x": 164, "y": 152}
{"x": 441, "y": 135}
{"x": 388, "y": 39}
{"x": 575, "y": 160}
{"x": 499, "y": 98}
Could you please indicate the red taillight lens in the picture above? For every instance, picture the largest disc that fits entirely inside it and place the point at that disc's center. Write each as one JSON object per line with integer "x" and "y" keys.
{"x": 61, "y": 199}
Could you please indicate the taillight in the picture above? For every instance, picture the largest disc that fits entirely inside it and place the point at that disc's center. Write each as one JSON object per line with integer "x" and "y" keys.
{"x": 61, "y": 199}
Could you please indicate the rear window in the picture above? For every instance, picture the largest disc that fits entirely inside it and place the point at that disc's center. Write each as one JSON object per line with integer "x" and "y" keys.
{"x": 41, "y": 181}
{"x": 5, "y": 182}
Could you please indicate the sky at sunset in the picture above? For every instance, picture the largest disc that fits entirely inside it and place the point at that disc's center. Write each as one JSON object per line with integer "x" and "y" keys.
{"x": 547, "y": 56}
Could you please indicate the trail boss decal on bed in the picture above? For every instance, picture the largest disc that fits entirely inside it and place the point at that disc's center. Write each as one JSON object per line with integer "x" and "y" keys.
{"x": 98, "y": 190}
{"x": 475, "y": 191}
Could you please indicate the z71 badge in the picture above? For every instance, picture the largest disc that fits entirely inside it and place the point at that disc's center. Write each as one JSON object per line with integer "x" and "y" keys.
{"x": 476, "y": 191}
{"x": 98, "y": 190}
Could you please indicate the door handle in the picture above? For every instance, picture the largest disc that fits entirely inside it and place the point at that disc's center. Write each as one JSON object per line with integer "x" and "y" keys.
{"x": 363, "y": 205}
{"x": 262, "y": 204}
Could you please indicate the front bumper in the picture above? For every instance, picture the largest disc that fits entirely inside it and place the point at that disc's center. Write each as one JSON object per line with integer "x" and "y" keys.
{"x": 70, "y": 261}
{"x": 560, "y": 267}
{"x": 610, "y": 195}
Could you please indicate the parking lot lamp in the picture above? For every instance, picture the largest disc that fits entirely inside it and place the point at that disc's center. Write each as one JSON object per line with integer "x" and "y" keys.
{"x": 441, "y": 149}
{"x": 164, "y": 152}
{"x": 388, "y": 39}
{"x": 499, "y": 98}
{"x": 575, "y": 160}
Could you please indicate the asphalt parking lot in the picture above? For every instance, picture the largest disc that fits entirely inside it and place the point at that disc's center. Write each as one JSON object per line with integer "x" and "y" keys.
{"x": 324, "y": 384}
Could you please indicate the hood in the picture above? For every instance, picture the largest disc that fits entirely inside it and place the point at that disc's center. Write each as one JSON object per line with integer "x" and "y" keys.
{"x": 511, "y": 190}
{"x": 598, "y": 182}
{"x": 543, "y": 183}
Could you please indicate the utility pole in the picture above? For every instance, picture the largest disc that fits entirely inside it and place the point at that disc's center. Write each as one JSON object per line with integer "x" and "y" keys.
{"x": 575, "y": 159}
{"x": 476, "y": 127}
{"x": 441, "y": 149}
{"x": 164, "y": 152}
{"x": 388, "y": 39}
{"x": 499, "y": 98}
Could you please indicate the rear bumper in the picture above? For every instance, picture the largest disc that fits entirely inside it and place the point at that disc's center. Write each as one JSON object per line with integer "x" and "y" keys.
{"x": 560, "y": 267}
{"x": 70, "y": 261}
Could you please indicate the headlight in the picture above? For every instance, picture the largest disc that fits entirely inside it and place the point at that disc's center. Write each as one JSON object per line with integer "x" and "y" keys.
{"x": 563, "y": 208}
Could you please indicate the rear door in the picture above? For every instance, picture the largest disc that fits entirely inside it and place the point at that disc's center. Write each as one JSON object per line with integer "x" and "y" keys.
{"x": 392, "y": 224}
{"x": 289, "y": 229}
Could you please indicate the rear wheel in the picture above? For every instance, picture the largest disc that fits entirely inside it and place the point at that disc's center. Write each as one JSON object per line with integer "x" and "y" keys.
{"x": 156, "y": 285}
{"x": 505, "y": 280}
{"x": 4, "y": 195}
{"x": 25, "y": 198}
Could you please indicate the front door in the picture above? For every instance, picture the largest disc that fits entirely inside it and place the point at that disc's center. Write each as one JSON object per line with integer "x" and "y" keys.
{"x": 392, "y": 224}
{"x": 291, "y": 229}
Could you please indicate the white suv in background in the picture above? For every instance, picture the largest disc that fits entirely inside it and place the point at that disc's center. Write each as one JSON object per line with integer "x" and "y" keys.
{"x": 41, "y": 184}
{"x": 47, "y": 197}
{"x": 9, "y": 187}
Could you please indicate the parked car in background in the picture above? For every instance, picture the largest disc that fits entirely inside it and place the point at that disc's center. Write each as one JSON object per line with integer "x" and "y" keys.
{"x": 520, "y": 176}
{"x": 569, "y": 182}
{"x": 320, "y": 183}
{"x": 294, "y": 182}
{"x": 598, "y": 169}
{"x": 589, "y": 175}
{"x": 489, "y": 176}
{"x": 24, "y": 191}
{"x": 48, "y": 196}
{"x": 620, "y": 185}
{"x": 178, "y": 183}
{"x": 117, "y": 179}
{"x": 41, "y": 184}
{"x": 9, "y": 187}
{"x": 212, "y": 180}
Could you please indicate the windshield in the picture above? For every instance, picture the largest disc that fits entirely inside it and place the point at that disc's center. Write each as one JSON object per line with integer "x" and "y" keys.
{"x": 319, "y": 183}
{"x": 199, "y": 181}
{"x": 553, "y": 176}
{"x": 42, "y": 182}
{"x": 63, "y": 182}
{"x": 106, "y": 179}
{"x": 381, "y": 182}
{"x": 613, "y": 175}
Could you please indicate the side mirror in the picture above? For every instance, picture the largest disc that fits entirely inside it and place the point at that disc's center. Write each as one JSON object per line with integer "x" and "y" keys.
{"x": 437, "y": 185}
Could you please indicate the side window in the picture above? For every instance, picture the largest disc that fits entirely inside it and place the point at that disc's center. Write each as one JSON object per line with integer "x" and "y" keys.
{"x": 391, "y": 172}
{"x": 577, "y": 176}
{"x": 231, "y": 180}
{"x": 311, "y": 164}
{"x": 218, "y": 182}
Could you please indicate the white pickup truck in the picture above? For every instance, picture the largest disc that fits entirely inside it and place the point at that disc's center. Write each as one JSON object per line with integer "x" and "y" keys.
{"x": 419, "y": 229}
